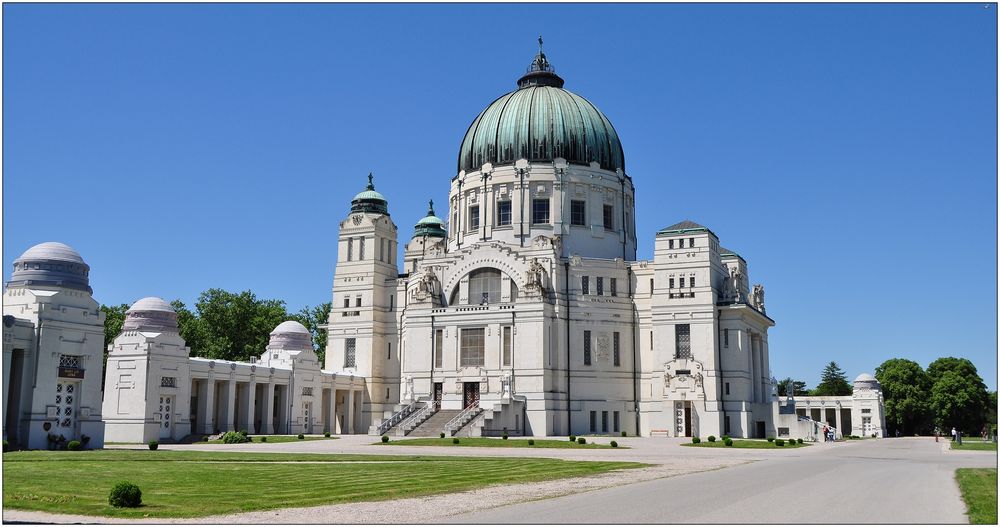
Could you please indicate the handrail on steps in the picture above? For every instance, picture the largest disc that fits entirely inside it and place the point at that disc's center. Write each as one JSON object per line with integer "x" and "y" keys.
{"x": 472, "y": 408}
{"x": 396, "y": 418}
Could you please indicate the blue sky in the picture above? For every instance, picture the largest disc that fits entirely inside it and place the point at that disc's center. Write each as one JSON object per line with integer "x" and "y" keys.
{"x": 848, "y": 152}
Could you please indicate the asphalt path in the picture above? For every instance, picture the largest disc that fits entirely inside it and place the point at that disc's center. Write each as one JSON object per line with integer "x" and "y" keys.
{"x": 909, "y": 480}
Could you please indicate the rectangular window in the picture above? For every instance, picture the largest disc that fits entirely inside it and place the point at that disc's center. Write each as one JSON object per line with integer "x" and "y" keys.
{"x": 347, "y": 301}
{"x": 617, "y": 349}
{"x": 361, "y": 248}
{"x": 670, "y": 283}
{"x": 680, "y": 243}
{"x": 586, "y": 347}
{"x": 650, "y": 340}
{"x": 593, "y": 421}
{"x": 727, "y": 388}
{"x": 682, "y": 281}
{"x": 725, "y": 334}
{"x": 628, "y": 226}
{"x": 585, "y": 284}
{"x": 604, "y": 421}
{"x": 617, "y": 422}
{"x": 473, "y": 347}
{"x": 350, "y": 249}
{"x": 391, "y": 299}
{"x": 388, "y": 351}
{"x": 671, "y": 242}
{"x": 540, "y": 210}
{"x": 357, "y": 301}
{"x": 683, "y": 341}
{"x": 503, "y": 213}
{"x": 350, "y": 348}
{"x": 168, "y": 382}
{"x": 614, "y": 287}
{"x": 506, "y": 344}
{"x": 474, "y": 218}
{"x": 651, "y": 287}
{"x": 600, "y": 285}
{"x": 692, "y": 281}
{"x": 578, "y": 212}
{"x": 690, "y": 242}
{"x": 438, "y": 348}
{"x": 609, "y": 217}
{"x": 727, "y": 425}
{"x": 382, "y": 256}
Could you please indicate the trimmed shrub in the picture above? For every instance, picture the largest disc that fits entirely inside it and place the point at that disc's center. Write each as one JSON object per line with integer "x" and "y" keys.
{"x": 243, "y": 432}
{"x": 614, "y": 444}
{"x": 624, "y": 433}
{"x": 725, "y": 438}
{"x": 73, "y": 445}
{"x": 581, "y": 440}
{"x": 770, "y": 440}
{"x": 153, "y": 445}
{"x": 728, "y": 441}
{"x": 5, "y": 445}
{"x": 779, "y": 442}
{"x": 385, "y": 439}
{"x": 125, "y": 494}
{"x": 799, "y": 440}
{"x": 263, "y": 439}
{"x": 696, "y": 440}
{"x": 326, "y": 434}
{"x": 572, "y": 438}
{"x": 711, "y": 439}
{"x": 234, "y": 437}
{"x": 454, "y": 440}
{"x": 442, "y": 435}
{"x": 301, "y": 436}
{"x": 84, "y": 439}
{"x": 531, "y": 441}
{"x": 505, "y": 435}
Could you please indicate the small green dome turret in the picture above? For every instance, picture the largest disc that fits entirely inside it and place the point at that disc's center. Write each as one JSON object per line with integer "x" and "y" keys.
{"x": 430, "y": 225}
{"x": 369, "y": 200}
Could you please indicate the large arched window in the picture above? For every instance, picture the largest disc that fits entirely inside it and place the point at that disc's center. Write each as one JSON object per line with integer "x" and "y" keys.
{"x": 484, "y": 286}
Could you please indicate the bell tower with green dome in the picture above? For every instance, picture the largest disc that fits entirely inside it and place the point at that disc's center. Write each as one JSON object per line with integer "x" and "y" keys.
{"x": 362, "y": 338}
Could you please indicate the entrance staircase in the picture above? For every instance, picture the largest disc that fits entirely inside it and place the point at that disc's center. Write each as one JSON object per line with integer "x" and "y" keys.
{"x": 434, "y": 424}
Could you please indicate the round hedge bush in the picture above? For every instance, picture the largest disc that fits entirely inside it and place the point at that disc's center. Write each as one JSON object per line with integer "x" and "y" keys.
{"x": 711, "y": 439}
{"x": 125, "y": 494}
{"x": 696, "y": 440}
{"x": 454, "y": 440}
{"x": 779, "y": 442}
{"x": 728, "y": 442}
{"x": 153, "y": 445}
{"x": 614, "y": 444}
{"x": 581, "y": 440}
{"x": 725, "y": 438}
{"x": 301, "y": 436}
{"x": 624, "y": 433}
{"x": 531, "y": 441}
{"x": 504, "y": 436}
{"x": 572, "y": 438}
{"x": 770, "y": 440}
{"x": 385, "y": 439}
{"x": 263, "y": 439}
{"x": 73, "y": 445}
{"x": 5, "y": 446}
{"x": 233, "y": 438}
{"x": 442, "y": 435}
{"x": 799, "y": 440}
{"x": 326, "y": 434}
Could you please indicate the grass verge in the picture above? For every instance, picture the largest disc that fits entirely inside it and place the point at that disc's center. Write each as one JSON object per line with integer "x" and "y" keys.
{"x": 979, "y": 490}
{"x": 745, "y": 443}
{"x": 974, "y": 445}
{"x": 183, "y": 484}
{"x": 495, "y": 442}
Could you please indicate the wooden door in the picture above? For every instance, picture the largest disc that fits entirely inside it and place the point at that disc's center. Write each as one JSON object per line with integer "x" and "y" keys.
{"x": 438, "y": 389}
{"x": 471, "y": 394}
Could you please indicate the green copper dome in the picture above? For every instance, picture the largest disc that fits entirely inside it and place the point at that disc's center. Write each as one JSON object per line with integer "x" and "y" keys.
{"x": 541, "y": 121}
{"x": 430, "y": 225}
{"x": 369, "y": 200}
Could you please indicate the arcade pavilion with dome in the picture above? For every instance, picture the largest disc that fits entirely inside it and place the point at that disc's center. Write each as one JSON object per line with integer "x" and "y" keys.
{"x": 523, "y": 309}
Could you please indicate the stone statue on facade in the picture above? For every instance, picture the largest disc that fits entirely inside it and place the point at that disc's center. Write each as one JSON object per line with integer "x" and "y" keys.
{"x": 758, "y": 297}
{"x": 427, "y": 286}
{"x": 408, "y": 394}
{"x": 535, "y": 276}
{"x": 737, "y": 278}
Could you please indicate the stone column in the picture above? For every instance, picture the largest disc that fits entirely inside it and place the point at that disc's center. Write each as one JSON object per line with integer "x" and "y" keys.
{"x": 230, "y": 395}
{"x": 331, "y": 426}
{"x": 349, "y": 413}
{"x": 267, "y": 410}
{"x": 251, "y": 405}
{"x": 836, "y": 419}
{"x": 208, "y": 403}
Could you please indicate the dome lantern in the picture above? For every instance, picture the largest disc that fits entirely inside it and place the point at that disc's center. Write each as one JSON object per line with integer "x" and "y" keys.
{"x": 430, "y": 225}
{"x": 369, "y": 200}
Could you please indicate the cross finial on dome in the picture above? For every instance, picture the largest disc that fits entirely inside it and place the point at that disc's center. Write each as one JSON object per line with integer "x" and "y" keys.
{"x": 371, "y": 183}
{"x": 539, "y": 44}
{"x": 430, "y": 208}
{"x": 540, "y": 71}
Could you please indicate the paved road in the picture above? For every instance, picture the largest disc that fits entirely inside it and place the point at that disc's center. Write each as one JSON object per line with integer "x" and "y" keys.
{"x": 907, "y": 480}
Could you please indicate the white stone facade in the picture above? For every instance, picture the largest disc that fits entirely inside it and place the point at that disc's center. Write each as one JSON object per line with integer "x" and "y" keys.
{"x": 860, "y": 414}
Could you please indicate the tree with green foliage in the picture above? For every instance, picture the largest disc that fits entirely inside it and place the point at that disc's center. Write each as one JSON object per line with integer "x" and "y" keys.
{"x": 833, "y": 381}
{"x": 905, "y": 391}
{"x": 114, "y": 317}
{"x": 798, "y": 387}
{"x": 235, "y": 326}
{"x": 958, "y": 396}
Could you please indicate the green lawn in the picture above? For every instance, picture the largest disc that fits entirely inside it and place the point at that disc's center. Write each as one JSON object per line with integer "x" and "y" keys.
{"x": 496, "y": 442}
{"x": 979, "y": 490}
{"x": 273, "y": 439}
{"x": 191, "y": 484}
{"x": 974, "y": 445}
{"x": 745, "y": 443}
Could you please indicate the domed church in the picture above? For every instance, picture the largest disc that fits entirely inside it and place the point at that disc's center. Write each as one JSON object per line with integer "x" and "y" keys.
{"x": 522, "y": 309}
{"x": 526, "y": 310}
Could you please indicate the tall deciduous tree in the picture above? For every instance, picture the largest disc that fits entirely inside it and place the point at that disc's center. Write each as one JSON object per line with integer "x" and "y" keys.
{"x": 958, "y": 396}
{"x": 314, "y": 318}
{"x": 906, "y": 392}
{"x": 114, "y": 317}
{"x": 833, "y": 382}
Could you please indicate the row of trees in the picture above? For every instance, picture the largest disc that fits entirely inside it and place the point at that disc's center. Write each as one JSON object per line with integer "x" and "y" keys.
{"x": 950, "y": 393}
{"x": 230, "y": 326}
